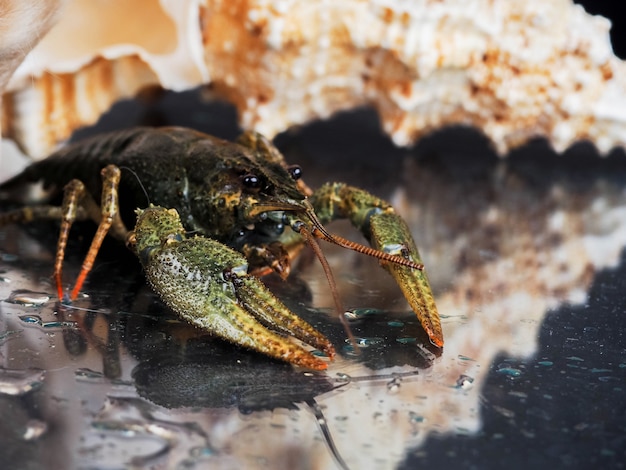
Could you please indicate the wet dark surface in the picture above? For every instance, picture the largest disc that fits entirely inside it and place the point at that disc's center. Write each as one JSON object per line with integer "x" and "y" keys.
{"x": 565, "y": 409}
{"x": 533, "y": 372}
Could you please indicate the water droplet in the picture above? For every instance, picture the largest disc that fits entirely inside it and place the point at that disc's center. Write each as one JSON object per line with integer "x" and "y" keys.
{"x": 199, "y": 452}
{"x": 395, "y": 323}
{"x": 416, "y": 418}
{"x": 36, "y": 320}
{"x": 84, "y": 374}
{"x": 5, "y": 279}
{"x": 545, "y": 363}
{"x": 18, "y": 382}
{"x": 31, "y": 319}
{"x": 504, "y": 411}
{"x": 575, "y": 358}
{"x": 465, "y": 382}
{"x": 318, "y": 353}
{"x": 465, "y": 358}
{"x": 357, "y": 313}
{"x": 343, "y": 378}
{"x": 34, "y": 429}
{"x": 27, "y": 297}
{"x": 510, "y": 371}
{"x": 8, "y": 257}
{"x": 406, "y": 340}
{"x": 607, "y": 379}
{"x": 393, "y": 386}
{"x": 367, "y": 342}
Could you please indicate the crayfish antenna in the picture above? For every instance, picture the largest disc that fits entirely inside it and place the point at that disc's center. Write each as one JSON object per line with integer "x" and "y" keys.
{"x": 369, "y": 251}
{"x": 320, "y": 232}
{"x": 310, "y": 239}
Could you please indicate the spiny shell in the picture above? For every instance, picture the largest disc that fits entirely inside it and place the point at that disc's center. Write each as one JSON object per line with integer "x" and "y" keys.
{"x": 514, "y": 69}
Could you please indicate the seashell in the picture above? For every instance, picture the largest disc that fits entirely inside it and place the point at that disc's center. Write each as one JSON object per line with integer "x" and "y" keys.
{"x": 515, "y": 70}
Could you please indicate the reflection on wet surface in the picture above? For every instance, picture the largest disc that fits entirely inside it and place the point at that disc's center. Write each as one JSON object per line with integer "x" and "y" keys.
{"x": 524, "y": 256}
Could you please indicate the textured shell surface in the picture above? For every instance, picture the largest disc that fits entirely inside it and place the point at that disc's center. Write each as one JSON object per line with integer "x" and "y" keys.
{"x": 514, "y": 69}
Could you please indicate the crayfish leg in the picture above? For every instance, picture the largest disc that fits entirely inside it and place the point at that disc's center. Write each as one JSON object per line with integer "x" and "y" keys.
{"x": 71, "y": 211}
{"x": 29, "y": 214}
{"x": 108, "y": 217}
{"x": 74, "y": 193}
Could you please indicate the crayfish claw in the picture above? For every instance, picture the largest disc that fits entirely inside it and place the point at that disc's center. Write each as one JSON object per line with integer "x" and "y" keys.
{"x": 207, "y": 284}
{"x": 270, "y": 311}
{"x": 389, "y": 231}
{"x": 392, "y": 244}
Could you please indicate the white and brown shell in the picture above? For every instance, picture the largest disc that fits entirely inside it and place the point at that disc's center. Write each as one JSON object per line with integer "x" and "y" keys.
{"x": 513, "y": 69}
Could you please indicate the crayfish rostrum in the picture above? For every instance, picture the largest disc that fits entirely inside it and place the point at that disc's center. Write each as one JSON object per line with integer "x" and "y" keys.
{"x": 208, "y": 217}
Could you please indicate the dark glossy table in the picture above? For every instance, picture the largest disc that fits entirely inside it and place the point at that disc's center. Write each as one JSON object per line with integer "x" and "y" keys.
{"x": 525, "y": 257}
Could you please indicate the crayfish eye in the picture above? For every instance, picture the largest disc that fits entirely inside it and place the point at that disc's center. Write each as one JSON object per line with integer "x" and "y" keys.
{"x": 295, "y": 171}
{"x": 251, "y": 181}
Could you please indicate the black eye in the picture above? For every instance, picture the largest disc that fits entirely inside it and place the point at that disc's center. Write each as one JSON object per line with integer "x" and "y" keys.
{"x": 295, "y": 171}
{"x": 251, "y": 181}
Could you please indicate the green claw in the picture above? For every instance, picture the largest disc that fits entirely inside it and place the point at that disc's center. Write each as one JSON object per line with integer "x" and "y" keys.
{"x": 391, "y": 234}
{"x": 207, "y": 284}
{"x": 387, "y": 232}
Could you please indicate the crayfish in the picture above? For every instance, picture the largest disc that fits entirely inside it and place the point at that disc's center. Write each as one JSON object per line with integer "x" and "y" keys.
{"x": 209, "y": 217}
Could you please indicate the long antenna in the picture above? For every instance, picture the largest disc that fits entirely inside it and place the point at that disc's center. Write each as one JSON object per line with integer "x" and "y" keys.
{"x": 310, "y": 239}
{"x": 143, "y": 188}
{"x": 369, "y": 251}
{"x": 318, "y": 228}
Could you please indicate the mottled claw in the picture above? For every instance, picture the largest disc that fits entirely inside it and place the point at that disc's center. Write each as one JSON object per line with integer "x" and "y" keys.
{"x": 387, "y": 232}
{"x": 391, "y": 234}
{"x": 208, "y": 285}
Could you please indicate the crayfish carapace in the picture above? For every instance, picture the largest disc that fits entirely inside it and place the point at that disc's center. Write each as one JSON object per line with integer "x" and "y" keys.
{"x": 249, "y": 213}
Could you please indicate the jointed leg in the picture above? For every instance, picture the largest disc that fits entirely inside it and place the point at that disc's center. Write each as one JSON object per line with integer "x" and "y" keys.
{"x": 75, "y": 193}
{"x": 29, "y": 214}
{"x": 78, "y": 204}
{"x": 109, "y": 216}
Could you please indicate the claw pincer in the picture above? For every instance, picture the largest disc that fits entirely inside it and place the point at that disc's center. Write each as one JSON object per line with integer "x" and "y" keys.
{"x": 208, "y": 285}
